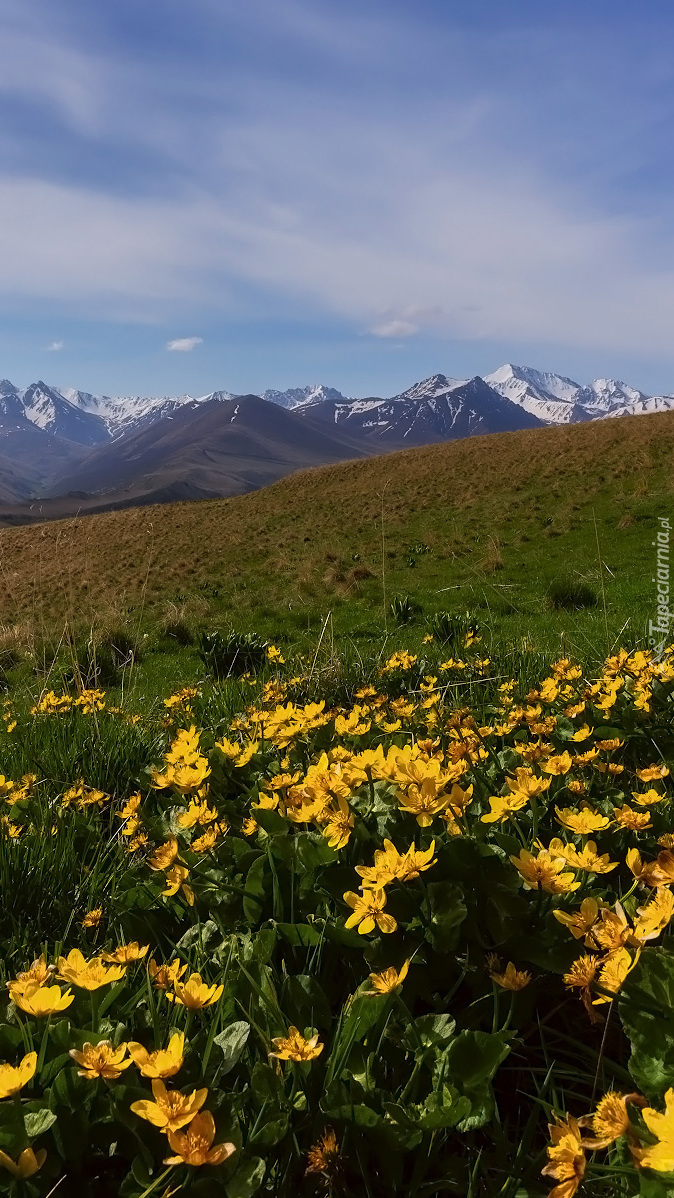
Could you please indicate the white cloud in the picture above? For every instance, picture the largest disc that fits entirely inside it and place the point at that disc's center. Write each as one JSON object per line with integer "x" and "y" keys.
{"x": 394, "y": 328}
{"x": 183, "y": 345}
{"x": 55, "y": 346}
{"x": 402, "y": 214}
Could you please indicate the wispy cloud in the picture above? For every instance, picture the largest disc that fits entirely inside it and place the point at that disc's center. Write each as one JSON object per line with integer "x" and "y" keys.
{"x": 511, "y": 197}
{"x": 183, "y": 345}
{"x": 55, "y": 346}
{"x": 394, "y": 328}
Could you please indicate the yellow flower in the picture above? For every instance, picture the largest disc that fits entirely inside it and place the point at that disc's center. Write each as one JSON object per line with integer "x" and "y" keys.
{"x": 27, "y": 1165}
{"x": 583, "y": 821}
{"x": 176, "y": 878}
{"x": 294, "y": 1047}
{"x": 651, "y": 772}
{"x": 659, "y": 1156}
{"x": 545, "y": 872}
{"x": 583, "y": 972}
{"x": 368, "y": 910}
{"x": 626, "y": 817}
{"x": 38, "y": 974}
{"x": 587, "y": 858}
{"x": 92, "y": 918}
{"x": 163, "y": 976}
{"x": 324, "y": 1155}
{"x": 567, "y": 1158}
{"x": 580, "y": 922}
{"x": 652, "y": 873}
{"x": 88, "y": 975}
{"x": 655, "y": 916}
{"x": 164, "y": 1062}
{"x": 193, "y": 1146}
{"x": 560, "y": 764}
{"x": 611, "y": 1118}
{"x": 171, "y": 1109}
{"x": 511, "y": 978}
{"x": 582, "y": 733}
{"x": 647, "y": 798}
{"x": 389, "y": 980}
{"x": 503, "y": 806}
{"x": 165, "y": 855}
{"x": 14, "y": 1077}
{"x": 249, "y": 827}
{"x": 39, "y": 1001}
{"x": 101, "y": 1060}
{"x": 204, "y": 843}
{"x": 194, "y": 993}
{"x": 337, "y": 830}
{"x": 126, "y": 954}
{"x": 613, "y": 973}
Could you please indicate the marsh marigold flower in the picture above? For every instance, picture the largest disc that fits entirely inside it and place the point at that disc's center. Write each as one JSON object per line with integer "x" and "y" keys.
{"x": 626, "y": 817}
{"x": 27, "y": 1165}
{"x": 509, "y": 979}
{"x": 14, "y": 1077}
{"x": 613, "y": 973}
{"x": 611, "y": 1119}
{"x": 126, "y": 954}
{"x": 324, "y": 1155}
{"x": 194, "y": 993}
{"x": 583, "y": 821}
{"x": 368, "y": 911}
{"x": 545, "y": 872}
{"x": 41, "y": 1001}
{"x": 295, "y": 1047}
{"x": 389, "y": 980}
{"x": 171, "y": 1109}
{"x": 586, "y": 858}
{"x": 101, "y": 1060}
{"x": 658, "y": 1156}
{"x": 194, "y": 1146}
{"x": 579, "y": 922}
{"x": 164, "y": 1062}
{"x": 88, "y": 975}
{"x": 163, "y": 976}
{"x": 93, "y": 918}
{"x": 652, "y": 772}
{"x": 567, "y": 1158}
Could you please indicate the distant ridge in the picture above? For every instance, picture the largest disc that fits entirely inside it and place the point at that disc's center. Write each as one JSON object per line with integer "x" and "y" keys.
{"x": 76, "y": 450}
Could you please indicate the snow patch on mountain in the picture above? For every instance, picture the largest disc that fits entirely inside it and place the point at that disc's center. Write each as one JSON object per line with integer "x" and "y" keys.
{"x": 296, "y": 397}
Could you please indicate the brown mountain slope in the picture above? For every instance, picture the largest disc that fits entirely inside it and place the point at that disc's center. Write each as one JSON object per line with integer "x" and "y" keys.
{"x": 277, "y": 539}
{"x": 217, "y": 448}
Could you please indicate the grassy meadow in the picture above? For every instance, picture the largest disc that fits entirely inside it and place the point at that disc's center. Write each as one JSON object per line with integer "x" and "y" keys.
{"x": 337, "y": 834}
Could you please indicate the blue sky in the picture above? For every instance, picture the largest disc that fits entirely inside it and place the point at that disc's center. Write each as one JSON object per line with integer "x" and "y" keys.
{"x": 359, "y": 192}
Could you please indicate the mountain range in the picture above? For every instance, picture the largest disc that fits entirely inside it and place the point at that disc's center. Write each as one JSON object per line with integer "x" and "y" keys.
{"x": 64, "y": 450}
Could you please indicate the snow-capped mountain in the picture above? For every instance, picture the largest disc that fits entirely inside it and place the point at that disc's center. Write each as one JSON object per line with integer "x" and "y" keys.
{"x": 59, "y": 436}
{"x": 435, "y": 409}
{"x": 297, "y": 396}
{"x": 559, "y": 400}
{"x": 121, "y": 414}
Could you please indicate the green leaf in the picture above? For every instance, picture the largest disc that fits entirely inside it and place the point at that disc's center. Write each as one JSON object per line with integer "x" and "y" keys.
{"x": 232, "y": 1042}
{"x": 469, "y": 1062}
{"x": 247, "y": 1179}
{"x": 255, "y": 891}
{"x": 434, "y": 1029}
{"x": 270, "y": 1133}
{"x": 447, "y": 912}
{"x": 35, "y": 1122}
{"x": 273, "y": 823}
{"x": 300, "y": 935}
{"x": 646, "y": 1008}
{"x": 13, "y": 1138}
